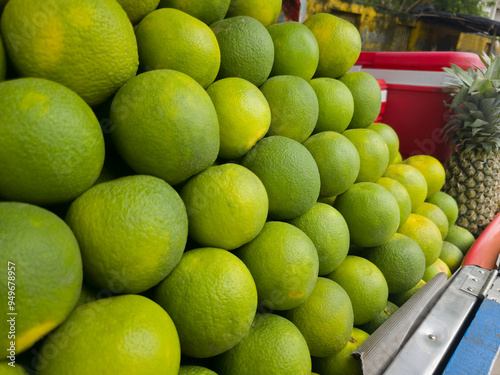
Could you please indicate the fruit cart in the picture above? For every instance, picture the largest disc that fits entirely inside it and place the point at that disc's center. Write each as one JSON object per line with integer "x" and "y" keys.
{"x": 449, "y": 326}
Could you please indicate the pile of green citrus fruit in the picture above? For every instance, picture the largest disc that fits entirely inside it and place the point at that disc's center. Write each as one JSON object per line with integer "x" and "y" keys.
{"x": 190, "y": 187}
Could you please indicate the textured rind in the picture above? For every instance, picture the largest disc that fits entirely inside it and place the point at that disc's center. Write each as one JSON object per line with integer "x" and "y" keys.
{"x": 86, "y": 45}
{"x": 131, "y": 333}
{"x": 208, "y": 11}
{"x": 51, "y": 144}
{"x": 212, "y": 299}
{"x": 47, "y": 269}
{"x": 132, "y": 232}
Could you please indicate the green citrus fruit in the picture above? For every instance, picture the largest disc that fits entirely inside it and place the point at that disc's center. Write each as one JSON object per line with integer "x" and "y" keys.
{"x": 373, "y": 153}
{"x": 227, "y": 206}
{"x": 426, "y": 234}
{"x": 294, "y": 106}
{"x": 336, "y": 105}
{"x": 296, "y": 50}
{"x": 451, "y": 255}
{"x": 3, "y": 61}
{"x": 366, "y": 286}
{"x": 212, "y": 299}
{"x": 413, "y": 181}
{"x": 42, "y": 273}
{"x": 284, "y": 264}
{"x": 389, "y": 136}
{"x": 289, "y": 173}
{"x": 437, "y": 267}
{"x": 264, "y": 11}
{"x": 273, "y": 346}
{"x": 244, "y": 115}
{"x": 132, "y": 232}
{"x": 246, "y": 48}
{"x": 325, "y": 319}
{"x": 437, "y": 216}
{"x": 337, "y": 160}
{"x": 205, "y": 11}
{"x": 460, "y": 237}
{"x": 188, "y": 117}
{"x": 389, "y": 309}
{"x": 327, "y": 229}
{"x": 339, "y": 44}
{"x": 86, "y": 45}
{"x": 131, "y": 333}
{"x": 401, "y": 260}
{"x": 137, "y": 10}
{"x": 195, "y": 370}
{"x": 431, "y": 169}
{"x": 171, "y": 39}
{"x": 52, "y": 147}
{"x": 371, "y": 213}
{"x": 400, "y": 193}
{"x": 447, "y": 204}
{"x": 400, "y": 298}
{"x": 342, "y": 362}
{"x": 367, "y": 98}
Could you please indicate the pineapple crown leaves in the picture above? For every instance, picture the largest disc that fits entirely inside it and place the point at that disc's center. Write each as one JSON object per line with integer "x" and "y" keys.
{"x": 475, "y": 122}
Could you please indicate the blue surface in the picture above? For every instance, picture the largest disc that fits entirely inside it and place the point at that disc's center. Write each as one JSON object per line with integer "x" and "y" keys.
{"x": 477, "y": 350}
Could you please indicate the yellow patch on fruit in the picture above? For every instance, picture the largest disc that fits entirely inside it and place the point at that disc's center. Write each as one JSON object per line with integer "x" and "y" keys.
{"x": 28, "y": 338}
{"x": 82, "y": 17}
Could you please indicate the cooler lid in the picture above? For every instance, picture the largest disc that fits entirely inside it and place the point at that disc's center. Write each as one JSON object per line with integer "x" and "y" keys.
{"x": 423, "y": 61}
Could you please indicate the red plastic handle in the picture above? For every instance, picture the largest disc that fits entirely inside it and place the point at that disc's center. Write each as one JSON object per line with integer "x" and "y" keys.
{"x": 484, "y": 252}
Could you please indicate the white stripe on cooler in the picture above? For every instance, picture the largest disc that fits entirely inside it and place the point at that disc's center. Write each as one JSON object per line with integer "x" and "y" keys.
{"x": 411, "y": 77}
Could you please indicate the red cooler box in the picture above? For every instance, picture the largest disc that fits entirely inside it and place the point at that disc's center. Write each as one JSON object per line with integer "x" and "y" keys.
{"x": 415, "y": 94}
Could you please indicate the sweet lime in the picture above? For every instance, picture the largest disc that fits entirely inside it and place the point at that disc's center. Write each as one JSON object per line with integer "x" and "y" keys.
{"x": 400, "y": 193}
{"x": 327, "y": 229}
{"x": 132, "y": 232}
{"x": 244, "y": 115}
{"x": 337, "y": 160}
{"x": 366, "y": 286}
{"x": 136, "y": 336}
{"x": 437, "y": 267}
{"x": 336, "y": 105}
{"x": 431, "y": 169}
{"x": 137, "y": 10}
{"x": 373, "y": 153}
{"x": 325, "y": 319}
{"x": 413, "y": 181}
{"x": 389, "y": 309}
{"x": 451, "y": 255}
{"x": 400, "y": 298}
{"x": 460, "y": 237}
{"x": 371, "y": 213}
{"x": 447, "y": 204}
{"x": 389, "y": 136}
{"x": 284, "y": 264}
{"x": 426, "y": 234}
{"x": 187, "y": 116}
{"x": 339, "y": 44}
{"x": 296, "y": 50}
{"x": 205, "y": 11}
{"x": 52, "y": 147}
{"x": 294, "y": 106}
{"x": 264, "y": 11}
{"x": 342, "y": 362}
{"x": 43, "y": 273}
{"x": 437, "y": 216}
{"x": 289, "y": 172}
{"x": 273, "y": 346}
{"x": 401, "y": 261}
{"x": 171, "y": 39}
{"x": 227, "y": 206}
{"x": 212, "y": 299}
{"x": 246, "y": 48}
{"x": 367, "y": 98}
{"x": 195, "y": 370}
{"x": 88, "y": 46}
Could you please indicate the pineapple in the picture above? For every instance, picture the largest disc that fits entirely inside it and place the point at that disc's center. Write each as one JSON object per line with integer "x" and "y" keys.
{"x": 473, "y": 169}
